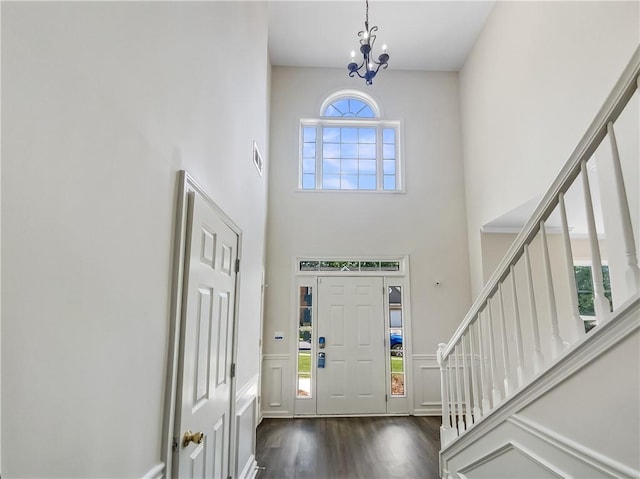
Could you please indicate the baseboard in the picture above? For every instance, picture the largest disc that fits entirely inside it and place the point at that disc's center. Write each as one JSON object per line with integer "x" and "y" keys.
{"x": 250, "y": 469}
{"x": 156, "y": 472}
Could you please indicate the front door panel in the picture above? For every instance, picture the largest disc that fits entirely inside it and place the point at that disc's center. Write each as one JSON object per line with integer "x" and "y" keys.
{"x": 350, "y": 318}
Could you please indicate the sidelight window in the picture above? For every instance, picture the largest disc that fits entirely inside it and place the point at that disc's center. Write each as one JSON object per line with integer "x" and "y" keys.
{"x": 396, "y": 342}
{"x": 305, "y": 337}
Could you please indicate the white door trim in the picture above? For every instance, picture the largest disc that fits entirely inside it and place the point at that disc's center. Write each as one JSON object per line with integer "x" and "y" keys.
{"x": 187, "y": 184}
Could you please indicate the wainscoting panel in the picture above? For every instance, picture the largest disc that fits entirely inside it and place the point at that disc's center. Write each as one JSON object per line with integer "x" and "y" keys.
{"x": 277, "y": 386}
{"x": 245, "y": 426}
{"x": 426, "y": 390}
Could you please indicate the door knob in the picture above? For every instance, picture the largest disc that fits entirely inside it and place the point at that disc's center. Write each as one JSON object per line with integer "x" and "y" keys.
{"x": 194, "y": 437}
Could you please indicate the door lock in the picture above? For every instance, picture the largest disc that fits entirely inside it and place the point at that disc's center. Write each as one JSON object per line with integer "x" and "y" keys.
{"x": 194, "y": 437}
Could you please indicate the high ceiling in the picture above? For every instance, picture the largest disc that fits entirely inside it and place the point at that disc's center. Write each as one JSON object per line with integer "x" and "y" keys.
{"x": 420, "y": 35}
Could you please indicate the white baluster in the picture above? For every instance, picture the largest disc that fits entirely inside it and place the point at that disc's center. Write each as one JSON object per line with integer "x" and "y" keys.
{"x": 576, "y": 320}
{"x": 632, "y": 273}
{"x": 484, "y": 383}
{"x": 446, "y": 432}
{"x": 477, "y": 413}
{"x": 556, "y": 342}
{"x": 538, "y": 359}
{"x": 516, "y": 316}
{"x": 600, "y": 301}
{"x": 495, "y": 392}
{"x": 505, "y": 345}
{"x": 461, "y": 427}
{"x": 452, "y": 395}
{"x": 465, "y": 380}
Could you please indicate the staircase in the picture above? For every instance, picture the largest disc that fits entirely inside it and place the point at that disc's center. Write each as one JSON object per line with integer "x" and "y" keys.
{"x": 526, "y": 391}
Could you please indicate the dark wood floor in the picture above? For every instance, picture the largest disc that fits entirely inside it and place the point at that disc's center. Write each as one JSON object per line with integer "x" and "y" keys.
{"x": 349, "y": 448}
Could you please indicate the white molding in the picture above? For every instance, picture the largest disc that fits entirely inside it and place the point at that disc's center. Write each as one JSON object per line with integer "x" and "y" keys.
{"x": 582, "y": 453}
{"x": 156, "y": 472}
{"x": 276, "y": 414}
{"x": 252, "y": 383}
{"x": 250, "y": 470}
{"x": 276, "y": 357}
{"x": 424, "y": 357}
{"x": 599, "y": 340}
{"x": 512, "y": 446}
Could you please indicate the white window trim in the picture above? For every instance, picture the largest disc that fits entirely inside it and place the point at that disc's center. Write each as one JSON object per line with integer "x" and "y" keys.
{"x": 355, "y": 122}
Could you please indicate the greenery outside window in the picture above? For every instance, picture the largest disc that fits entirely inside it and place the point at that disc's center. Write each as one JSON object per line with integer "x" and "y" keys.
{"x": 584, "y": 285}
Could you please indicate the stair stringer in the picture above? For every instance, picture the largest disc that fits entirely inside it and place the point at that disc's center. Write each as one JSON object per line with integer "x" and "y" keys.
{"x": 508, "y": 427}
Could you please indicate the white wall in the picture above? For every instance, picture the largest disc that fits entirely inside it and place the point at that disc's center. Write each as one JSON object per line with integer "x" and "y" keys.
{"x": 102, "y": 104}
{"x": 532, "y": 84}
{"x": 427, "y": 222}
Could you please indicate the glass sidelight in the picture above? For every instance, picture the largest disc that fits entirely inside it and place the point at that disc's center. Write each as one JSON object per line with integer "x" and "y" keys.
{"x": 305, "y": 340}
{"x": 396, "y": 342}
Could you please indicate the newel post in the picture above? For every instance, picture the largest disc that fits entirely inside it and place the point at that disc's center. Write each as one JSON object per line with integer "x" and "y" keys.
{"x": 447, "y": 433}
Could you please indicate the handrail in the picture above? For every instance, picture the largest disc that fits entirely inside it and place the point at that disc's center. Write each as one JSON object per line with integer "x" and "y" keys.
{"x": 468, "y": 397}
{"x": 610, "y": 111}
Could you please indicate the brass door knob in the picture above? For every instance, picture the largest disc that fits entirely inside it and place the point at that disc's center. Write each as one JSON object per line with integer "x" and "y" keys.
{"x": 194, "y": 437}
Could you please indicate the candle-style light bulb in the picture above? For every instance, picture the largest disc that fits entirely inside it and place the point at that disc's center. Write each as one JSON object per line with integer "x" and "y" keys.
{"x": 353, "y": 54}
{"x": 384, "y": 48}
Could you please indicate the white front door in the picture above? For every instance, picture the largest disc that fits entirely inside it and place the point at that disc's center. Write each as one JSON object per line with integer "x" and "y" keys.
{"x": 206, "y": 345}
{"x": 351, "y": 319}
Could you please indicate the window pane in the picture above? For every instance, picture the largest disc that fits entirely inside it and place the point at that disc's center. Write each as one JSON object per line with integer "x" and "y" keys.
{"x": 332, "y": 111}
{"x": 367, "y": 167}
{"x": 305, "y": 331}
{"x": 331, "y": 135}
{"x": 349, "y": 135}
{"x": 367, "y": 151}
{"x": 367, "y": 182}
{"x": 366, "y": 112}
{"x": 309, "y": 265}
{"x": 349, "y": 182}
{"x": 331, "y": 182}
{"x": 367, "y": 135}
{"x": 389, "y": 135}
{"x": 388, "y": 152}
{"x": 331, "y": 166}
{"x": 397, "y": 384}
{"x": 389, "y": 182}
{"x": 331, "y": 150}
{"x": 308, "y": 165}
{"x": 389, "y": 167}
{"x": 309, "y": 150}
{"x": 309, "y": 134}
{"x": 390, "y": 266}
{"x": 342, "y": 106}
{"x": 369, "y": 266}
{"x": 349, "y": 167}
{"x": 308, "y": 181}
{"x": 349, "y": 151}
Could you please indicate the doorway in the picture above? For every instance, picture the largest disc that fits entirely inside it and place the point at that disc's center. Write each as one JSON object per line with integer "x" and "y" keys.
{"x": 352, "y": 354}
{"x": 200, "y": 388}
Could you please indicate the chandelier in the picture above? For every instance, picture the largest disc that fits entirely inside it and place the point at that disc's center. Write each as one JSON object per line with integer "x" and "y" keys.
{"x": 369, "y": 66}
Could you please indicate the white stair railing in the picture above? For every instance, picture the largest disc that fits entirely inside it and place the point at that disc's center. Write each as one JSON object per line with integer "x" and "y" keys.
{"x": 472, "y": 383}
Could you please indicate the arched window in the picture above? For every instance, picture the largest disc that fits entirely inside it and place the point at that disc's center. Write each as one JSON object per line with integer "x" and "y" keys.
{"x": 349, "y": 147}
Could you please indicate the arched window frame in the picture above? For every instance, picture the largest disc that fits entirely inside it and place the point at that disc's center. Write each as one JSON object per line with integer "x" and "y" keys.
{"x": 312, "y": 172}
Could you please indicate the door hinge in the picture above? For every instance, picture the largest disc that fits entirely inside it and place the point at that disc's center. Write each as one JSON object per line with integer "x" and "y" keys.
{"x": 174, "y": 445}
{"x": 237, "y": 266}
{"x": 386, "y": 398}
{"x": 233, "y": 370}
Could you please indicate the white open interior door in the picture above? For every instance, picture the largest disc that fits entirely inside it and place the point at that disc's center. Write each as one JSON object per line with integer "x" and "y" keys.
{"x": 350, "y": 318}
{"x": 203, "y": 403}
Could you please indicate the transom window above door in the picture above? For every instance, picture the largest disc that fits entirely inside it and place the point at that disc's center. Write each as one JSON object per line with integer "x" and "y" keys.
{"x": 350, "y": 147}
